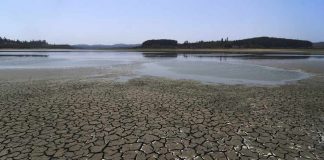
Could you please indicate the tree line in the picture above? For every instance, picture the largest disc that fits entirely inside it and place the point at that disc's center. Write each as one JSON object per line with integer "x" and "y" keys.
{"x": 160, "y": 43}
{"x": 259, "y": 42}
{"x": 17, "y": 44}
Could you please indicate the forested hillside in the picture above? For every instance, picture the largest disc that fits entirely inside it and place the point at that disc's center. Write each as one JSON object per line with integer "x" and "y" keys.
{"x": 17, "y": 44}
{"x": 160, "y": 43}
{"x": 259, "y": 42}
{"x": 269, "y": 42}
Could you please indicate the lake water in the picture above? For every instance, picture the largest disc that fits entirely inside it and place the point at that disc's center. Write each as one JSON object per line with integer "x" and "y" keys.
{"x": 207, "y": 68}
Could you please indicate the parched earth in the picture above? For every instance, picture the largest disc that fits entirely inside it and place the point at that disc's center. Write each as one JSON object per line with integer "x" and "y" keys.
{"x": 151, "y": 118}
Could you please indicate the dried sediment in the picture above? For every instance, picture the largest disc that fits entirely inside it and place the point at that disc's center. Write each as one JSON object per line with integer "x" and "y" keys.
{"x": 159, "y": 118}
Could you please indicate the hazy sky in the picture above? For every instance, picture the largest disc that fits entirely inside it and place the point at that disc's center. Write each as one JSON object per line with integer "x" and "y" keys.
{"x": 133, "y": 21}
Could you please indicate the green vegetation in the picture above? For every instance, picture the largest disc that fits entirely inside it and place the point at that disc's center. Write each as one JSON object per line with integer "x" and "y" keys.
{"x": 17, "y": 44}
{"x": 259, "y": 42}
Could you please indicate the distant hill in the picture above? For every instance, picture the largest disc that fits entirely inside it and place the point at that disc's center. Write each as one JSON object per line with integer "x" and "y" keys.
{"x": 17, "y": 44}
{"x": 271, "y": 42}
{"x": 42, "y": 44}
{"x": 318, "y": 45}
{"x": 258, "y": 42}
{"x": 160, "y": 43}
{"x": 101, "y": 46}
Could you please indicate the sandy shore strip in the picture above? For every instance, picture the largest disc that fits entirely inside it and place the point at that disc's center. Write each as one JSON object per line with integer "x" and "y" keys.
{"x": 160, "y": 119}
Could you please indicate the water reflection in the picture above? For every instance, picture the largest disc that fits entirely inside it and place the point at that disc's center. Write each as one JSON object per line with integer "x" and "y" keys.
{"x": 249, "y": 56}
{"x": 219, "y": 57}
{"x": 236, "y": 68}
{"x": 23, "y": 55}
{"x": 212, "y": 67}
{"x": 225, "y": 57}
{"x": 160, "y": 55}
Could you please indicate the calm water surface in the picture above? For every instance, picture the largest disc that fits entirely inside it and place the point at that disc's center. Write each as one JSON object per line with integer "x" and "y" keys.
{"x": 208, "y": 68}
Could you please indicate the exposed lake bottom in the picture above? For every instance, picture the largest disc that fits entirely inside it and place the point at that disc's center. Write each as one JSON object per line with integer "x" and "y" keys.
{"x": 116, "y": 107}
{"x": 145, "y": 118}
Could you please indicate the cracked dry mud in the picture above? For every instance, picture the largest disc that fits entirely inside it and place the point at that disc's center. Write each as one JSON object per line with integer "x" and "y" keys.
{"x": 151, "y": 118}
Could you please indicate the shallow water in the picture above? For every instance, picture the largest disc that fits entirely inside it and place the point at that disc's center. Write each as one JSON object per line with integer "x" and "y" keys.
{"x": 209, "y": 68}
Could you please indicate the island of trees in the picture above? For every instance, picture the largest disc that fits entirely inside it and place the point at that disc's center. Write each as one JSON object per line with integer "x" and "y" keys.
{"x": 259, "y": 42}
{"x": 17, "y": 44}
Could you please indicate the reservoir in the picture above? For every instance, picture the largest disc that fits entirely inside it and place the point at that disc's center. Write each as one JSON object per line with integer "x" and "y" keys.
{"x": 264, "y": 69}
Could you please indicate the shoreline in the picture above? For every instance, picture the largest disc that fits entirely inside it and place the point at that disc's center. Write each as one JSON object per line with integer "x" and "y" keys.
{"x": 258, "y": 51}
{"x": 125, "y": 73}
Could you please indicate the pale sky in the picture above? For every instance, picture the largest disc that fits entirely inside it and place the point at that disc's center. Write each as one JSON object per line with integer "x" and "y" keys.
{"x": 133, "y": 21}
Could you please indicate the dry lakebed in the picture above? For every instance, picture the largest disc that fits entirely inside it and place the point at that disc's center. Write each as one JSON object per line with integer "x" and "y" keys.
{"x": 66, "y": 113}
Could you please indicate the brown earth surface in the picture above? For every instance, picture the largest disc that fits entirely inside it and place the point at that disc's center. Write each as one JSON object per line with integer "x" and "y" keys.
{"x": 153, "y": 118}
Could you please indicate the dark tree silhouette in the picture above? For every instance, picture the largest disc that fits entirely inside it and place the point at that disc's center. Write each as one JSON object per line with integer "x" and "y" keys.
{"x": 259, "y": 42}
{"x": 160, "y": 43}
{"x": 269, "y": 42}
{"x": 17, "y": 44}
